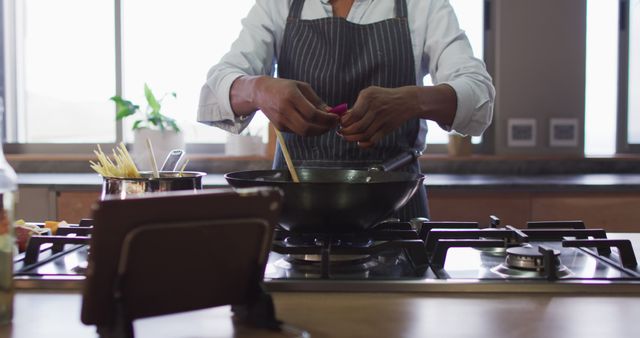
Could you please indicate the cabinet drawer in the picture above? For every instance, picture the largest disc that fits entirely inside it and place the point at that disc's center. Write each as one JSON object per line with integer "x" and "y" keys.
{"x": 72, "y": 206}
{"x": 611, "y": 211}
{"x": 512, "y": 208}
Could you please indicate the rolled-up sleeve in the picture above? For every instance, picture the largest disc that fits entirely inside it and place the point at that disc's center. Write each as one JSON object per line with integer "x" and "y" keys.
{"x": 451, "y": 62}
{"x": 252, "y": 53}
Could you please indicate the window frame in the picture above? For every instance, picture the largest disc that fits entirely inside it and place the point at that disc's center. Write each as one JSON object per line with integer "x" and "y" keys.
{"x": 10, "y": 50}
{"x": 622, "y": 142}
{"x": 487, "y": 145}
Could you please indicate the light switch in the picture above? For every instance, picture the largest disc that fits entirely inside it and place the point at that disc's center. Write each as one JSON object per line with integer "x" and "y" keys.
{"x": 521, "y": 132}
{"x": 563, "y": 132}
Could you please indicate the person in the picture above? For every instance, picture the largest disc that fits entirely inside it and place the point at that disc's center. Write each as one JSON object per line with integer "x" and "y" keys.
{"x": 371, "y": 55}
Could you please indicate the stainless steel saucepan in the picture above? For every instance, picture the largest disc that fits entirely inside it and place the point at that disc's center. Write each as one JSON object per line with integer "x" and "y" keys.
{"x": 168, "y": 181}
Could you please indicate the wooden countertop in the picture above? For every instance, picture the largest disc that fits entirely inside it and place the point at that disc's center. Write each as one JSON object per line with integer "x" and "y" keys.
{"x": 40, "y": 314}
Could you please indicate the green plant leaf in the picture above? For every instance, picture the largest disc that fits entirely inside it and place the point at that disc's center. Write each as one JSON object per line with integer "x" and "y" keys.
{"x": 153, "y": 119}
{"x": 174, "y": 125}
{"x": 151, "y": 99}
{"x": 171, "y": 123}
{"x": 124, "y": 107}
{"x": 137, "y": 124}
{"x": 116, "y": 99}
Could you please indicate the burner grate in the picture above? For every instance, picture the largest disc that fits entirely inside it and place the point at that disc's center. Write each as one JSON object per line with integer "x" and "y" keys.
{"x": 392, "y": 237}
{"x": 75, "y": 235}
{"x": 539, "y": 259}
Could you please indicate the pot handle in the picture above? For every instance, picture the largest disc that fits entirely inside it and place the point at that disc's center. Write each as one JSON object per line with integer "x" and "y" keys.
{"x": 397, "y": 162}
{"x": 172, "y": 160}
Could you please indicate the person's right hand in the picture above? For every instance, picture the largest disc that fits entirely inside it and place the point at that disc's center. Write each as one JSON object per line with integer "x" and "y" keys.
{"x": 293, "y": 106}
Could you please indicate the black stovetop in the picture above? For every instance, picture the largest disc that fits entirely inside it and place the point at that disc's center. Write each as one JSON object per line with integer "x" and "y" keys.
{"x": 404, "y": 256}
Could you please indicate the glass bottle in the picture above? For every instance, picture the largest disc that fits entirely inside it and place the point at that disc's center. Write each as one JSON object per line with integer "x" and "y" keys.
{"x": 8, "y": 186}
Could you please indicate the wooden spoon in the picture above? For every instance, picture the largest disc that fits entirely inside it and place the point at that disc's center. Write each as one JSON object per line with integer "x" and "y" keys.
{"x": 154, "y": 164}
{"x": 287, "y": 157}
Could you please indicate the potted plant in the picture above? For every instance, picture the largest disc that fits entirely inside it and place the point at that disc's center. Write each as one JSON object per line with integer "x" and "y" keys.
{"x": 161, "y": 130}
{"x": 247, "y": 143}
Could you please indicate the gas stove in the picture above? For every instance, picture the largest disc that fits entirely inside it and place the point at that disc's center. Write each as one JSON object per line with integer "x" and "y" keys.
{"x": 416, "y": 256}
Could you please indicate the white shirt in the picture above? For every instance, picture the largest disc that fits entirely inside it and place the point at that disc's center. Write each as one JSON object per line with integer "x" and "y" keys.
{"x": 440, "y": 48}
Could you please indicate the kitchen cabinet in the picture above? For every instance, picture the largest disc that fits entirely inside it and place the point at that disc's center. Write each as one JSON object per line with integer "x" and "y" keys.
{"x": 613, "y": 211}
{"x": 72, "y": 206}
{"x": 511, "y": 207}
{"x": 37, "y": 204}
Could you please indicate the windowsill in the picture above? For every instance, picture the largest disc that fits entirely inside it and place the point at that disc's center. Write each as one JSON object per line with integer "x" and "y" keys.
{"x": 431, "y": 163}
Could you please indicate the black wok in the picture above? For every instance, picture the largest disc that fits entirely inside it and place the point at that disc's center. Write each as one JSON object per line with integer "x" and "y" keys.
{"x": 336, "y": 200}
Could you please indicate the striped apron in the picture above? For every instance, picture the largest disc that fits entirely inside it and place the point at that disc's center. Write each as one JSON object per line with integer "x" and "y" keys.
{"x": 338, "y": 59}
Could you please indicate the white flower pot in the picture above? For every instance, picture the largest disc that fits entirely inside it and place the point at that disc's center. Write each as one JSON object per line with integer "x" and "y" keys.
{"x": 162, "y": 141}
{"x": 243, "y": 145}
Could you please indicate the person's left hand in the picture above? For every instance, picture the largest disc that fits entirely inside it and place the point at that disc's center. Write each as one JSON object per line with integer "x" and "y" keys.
{"x": 377, "y": 112}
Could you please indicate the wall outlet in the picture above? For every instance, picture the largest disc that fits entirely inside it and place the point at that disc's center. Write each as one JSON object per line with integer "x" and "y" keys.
{"x": 563, "y": 132}
{"x": 521, "y": 132}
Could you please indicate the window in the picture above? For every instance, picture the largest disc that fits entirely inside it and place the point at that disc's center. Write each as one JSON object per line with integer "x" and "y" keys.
{"x": 60, "y": 67}
{"x": 633, "y": 110}
{"x": 471, "y": 18}
{"x": 601, "y": 77}
{"x": 66, "y": 63}
{"x": 172, "y": 49}
{"x": 65, "y": 71}
{"x": 613, "y": 77}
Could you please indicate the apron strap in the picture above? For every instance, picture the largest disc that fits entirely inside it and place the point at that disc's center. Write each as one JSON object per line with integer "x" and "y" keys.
{"x": 295, "y": 11}
{"x": 401, "y": 9}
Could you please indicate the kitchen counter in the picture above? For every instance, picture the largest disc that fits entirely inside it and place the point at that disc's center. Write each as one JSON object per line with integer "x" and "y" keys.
{"x": 40, "y": 314}
{"x": 577, "y": 182}
{"x": 601, "y": 200}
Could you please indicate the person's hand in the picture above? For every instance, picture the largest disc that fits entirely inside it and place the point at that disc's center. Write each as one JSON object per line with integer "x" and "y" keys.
{"x": 376, "y": 113}
{"x": 293, "y": 106}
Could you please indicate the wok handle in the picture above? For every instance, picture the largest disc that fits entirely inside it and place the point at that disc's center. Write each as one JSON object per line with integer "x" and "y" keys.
{"x": 397, "y": 162}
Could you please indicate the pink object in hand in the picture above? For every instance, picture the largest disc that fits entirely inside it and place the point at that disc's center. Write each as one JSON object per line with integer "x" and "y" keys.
{"x": 339, "y": 109}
